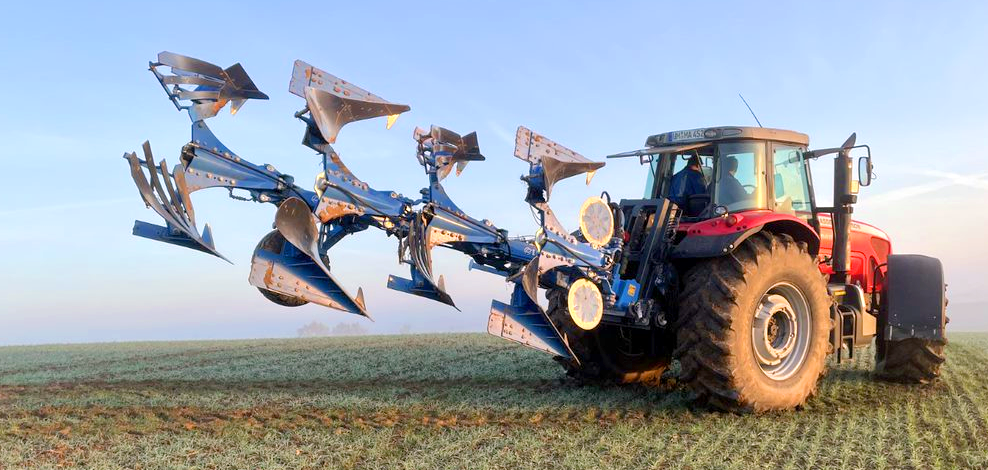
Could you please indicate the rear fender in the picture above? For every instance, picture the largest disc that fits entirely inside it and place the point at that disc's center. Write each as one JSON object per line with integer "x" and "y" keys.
{"x": 715, "y": 237}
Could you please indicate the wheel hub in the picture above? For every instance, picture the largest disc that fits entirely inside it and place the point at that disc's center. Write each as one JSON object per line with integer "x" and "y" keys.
{"x": 774, "y": 330}
{"x": 780, "y": 331}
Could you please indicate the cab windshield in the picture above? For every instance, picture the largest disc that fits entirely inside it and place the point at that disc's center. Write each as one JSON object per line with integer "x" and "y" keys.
{"x": 729, "y": 174}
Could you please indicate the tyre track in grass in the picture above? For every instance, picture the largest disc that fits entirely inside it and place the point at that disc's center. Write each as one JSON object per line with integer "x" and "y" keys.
{"x": 960, "y": 362}
{"x": 901, "y": 442}
{"x": 98, "y": 420}
{"x": 315, "y": 386}
{"x": 283, "y": 359}
{"x": 856, "y": 389}
{"x": 709, "y": 441}
{"x": 884, "y": 438}
{"x": 100, "y": 363}
{"x": 377, "y": 363}
{"x": 817, "y": 431}
{"x": 787, "y": 434}
{"x": 229, "y": 358}
{"x": 914, "y": 439}
{"x": 930, "y": 420}
{"x": 149, "y": 364}
{"x": 336, "y": 343}
{"x": 971, "y": 371}
{"x": 224, "y": 358}
{"x": 872, "y": 431}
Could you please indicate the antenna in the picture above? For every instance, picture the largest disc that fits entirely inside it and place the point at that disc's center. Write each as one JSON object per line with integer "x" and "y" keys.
{"x": 749, "y": 110}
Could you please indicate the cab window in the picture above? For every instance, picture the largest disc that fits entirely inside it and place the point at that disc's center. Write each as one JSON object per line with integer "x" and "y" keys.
{"x": 792, "y": 190}
{"x": 678, "y": 162}
{"x": 740, "y": 175}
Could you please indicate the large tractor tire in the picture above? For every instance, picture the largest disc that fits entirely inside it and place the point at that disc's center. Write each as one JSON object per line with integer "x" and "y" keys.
{"x": 607, "y": 353}
{"x": 911, "y": 360}
{"x": 754, "y": 327}
{"x": 274, "y": 242}
{"x": 914, "y": 304}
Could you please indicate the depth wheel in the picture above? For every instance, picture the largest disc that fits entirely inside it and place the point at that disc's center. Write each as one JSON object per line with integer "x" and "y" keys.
{"x": 274, "y": 242}
{"x": 753, "y": 328}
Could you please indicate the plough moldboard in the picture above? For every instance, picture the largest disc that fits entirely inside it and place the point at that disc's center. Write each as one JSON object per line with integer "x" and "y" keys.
{"x": 291, "y": 266}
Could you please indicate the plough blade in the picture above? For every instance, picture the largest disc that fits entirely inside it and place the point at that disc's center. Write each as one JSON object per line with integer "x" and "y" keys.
{"x": 214, "y": 86}
{"x": 558, "y": 162}
{"x": 524, "y": 322}
{"x": 173, "y": 206}
{"x": 422, "y": 287}
{"x": 451, "y": 149}
{"x": 539, "y": 265}
{"x": 419, "y": 247}
{"x": 332, "y": 112}
{"x": 334, "y": 102}
{"x": 298, "y": 225}
{"x": 301, "y": 277}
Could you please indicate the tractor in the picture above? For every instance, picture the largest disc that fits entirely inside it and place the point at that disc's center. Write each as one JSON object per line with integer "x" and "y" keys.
{"x": 751, "y": 283}
{"x": 727, "y": 264}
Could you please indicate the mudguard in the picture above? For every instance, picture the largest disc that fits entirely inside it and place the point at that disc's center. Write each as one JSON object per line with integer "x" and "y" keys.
{"x": 715, "y": 237}
{"x": 917, "y": 302}
{"x": 708, "y": 246}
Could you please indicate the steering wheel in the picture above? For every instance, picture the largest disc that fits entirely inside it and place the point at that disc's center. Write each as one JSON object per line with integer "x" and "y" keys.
{"x": 746, "y": 186}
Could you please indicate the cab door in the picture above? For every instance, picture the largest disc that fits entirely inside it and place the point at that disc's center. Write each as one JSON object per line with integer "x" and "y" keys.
{"x": 790, "y": 182}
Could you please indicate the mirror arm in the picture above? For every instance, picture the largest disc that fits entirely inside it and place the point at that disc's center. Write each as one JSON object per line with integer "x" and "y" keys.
{"x": 812, "y": 154}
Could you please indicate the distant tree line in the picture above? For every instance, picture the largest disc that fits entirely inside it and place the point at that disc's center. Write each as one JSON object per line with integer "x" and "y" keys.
{"x": 316, "y": 329}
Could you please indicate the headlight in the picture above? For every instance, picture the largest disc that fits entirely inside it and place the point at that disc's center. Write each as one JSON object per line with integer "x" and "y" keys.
{"x": 596, "y": 221}
{"x": 585, "y": 304}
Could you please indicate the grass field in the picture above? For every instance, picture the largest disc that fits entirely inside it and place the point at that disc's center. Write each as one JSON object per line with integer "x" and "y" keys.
{"x": 450, "y": 401}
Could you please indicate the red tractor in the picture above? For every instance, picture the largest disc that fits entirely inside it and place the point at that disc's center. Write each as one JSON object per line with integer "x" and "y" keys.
{"x": 749, "y": 282}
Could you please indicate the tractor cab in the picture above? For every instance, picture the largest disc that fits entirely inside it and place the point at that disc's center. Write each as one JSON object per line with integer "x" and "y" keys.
{"x": 709, "y": 172}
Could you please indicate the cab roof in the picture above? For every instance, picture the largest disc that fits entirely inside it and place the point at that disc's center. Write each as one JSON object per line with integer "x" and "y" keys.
{"x": 712, "y": 134}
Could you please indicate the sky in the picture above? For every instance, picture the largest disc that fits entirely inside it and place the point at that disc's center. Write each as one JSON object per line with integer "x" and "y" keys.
{"x": 598, "y": 77}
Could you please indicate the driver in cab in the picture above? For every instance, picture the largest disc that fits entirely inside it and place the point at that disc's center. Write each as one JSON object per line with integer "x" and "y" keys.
{"x": 729, "y": 189}
{"x": 687, "y": 182}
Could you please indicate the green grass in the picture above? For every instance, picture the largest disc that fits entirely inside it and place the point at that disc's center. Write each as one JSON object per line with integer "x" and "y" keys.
{"x": 450, "y": 401}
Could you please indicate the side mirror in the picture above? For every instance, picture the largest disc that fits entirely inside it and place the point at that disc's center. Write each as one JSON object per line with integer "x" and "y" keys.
{"x": 864, "y": 171}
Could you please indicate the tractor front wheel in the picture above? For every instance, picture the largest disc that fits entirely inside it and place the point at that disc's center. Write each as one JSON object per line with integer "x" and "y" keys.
{"x": 753, "y": 327}
{"x": 912, "y": 360}
{"x": 917, "y": 282}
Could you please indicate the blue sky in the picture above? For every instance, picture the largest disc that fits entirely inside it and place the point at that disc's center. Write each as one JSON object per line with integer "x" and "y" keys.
{"x": 907, "y": 77}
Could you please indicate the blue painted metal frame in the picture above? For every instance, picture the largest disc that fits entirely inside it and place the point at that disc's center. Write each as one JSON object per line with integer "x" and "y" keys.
{"x": 342, "y": 204}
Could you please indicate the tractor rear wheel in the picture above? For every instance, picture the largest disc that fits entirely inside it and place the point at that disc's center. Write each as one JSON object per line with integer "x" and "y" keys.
{"x": 608, "y": 354}
{"x": 753, "y": 327}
